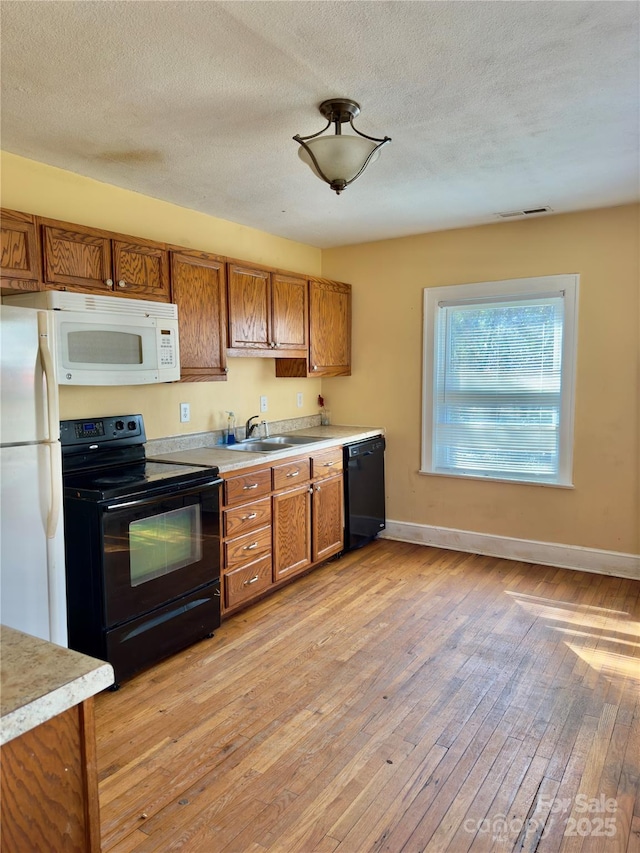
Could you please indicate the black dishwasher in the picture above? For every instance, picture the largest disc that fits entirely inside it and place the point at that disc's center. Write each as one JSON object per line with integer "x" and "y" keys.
{"x": 363, "y": 492}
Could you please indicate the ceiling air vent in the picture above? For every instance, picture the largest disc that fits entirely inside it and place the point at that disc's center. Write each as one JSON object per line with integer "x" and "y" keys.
{"x": 530, "y": 212}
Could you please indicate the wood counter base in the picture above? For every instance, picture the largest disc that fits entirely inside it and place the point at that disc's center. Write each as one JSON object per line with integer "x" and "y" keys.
{"x": 49, "y": 786}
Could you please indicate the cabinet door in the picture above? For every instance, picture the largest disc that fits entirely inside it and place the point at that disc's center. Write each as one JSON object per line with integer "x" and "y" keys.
{"x": 76, "y": 258}
{"x": 328, "y": 518}
{"x": 49, "y": 786}
{"x": 141, "y": 270}
{"x": 291, "y": 532}
{"x": 19, "y": 256}
{"x": 289, "y": 315}
{"x": 198, "y": 289}
{"x": 330, "y": 328}
{"x": 249, "y": 299}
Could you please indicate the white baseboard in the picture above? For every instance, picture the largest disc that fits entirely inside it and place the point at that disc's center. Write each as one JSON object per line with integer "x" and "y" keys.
{"x": 528, "y": 551}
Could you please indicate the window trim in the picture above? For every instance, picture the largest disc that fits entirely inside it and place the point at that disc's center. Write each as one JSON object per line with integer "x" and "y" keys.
{"x": 534, "y": 287}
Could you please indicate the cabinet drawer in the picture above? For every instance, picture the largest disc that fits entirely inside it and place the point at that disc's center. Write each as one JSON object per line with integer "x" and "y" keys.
{"x": 248, "y": 548}
{"x": 242, "y": 519}
{"x": 327, "y": 463}
{"x": 245, "y": 487}
{"x": 246, "y": 582}
{"x": 290, "y": 474}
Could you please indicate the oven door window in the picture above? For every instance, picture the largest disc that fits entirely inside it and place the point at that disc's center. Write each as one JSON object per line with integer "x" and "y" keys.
{"x": 158, "y": 550}
{"x": 164, "y": 543}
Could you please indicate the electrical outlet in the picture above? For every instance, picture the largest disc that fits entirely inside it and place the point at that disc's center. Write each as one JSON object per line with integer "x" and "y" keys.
{"x": 263, "y": 404}
{"x": 299, "y": 399}
{"x": 185, "y": 413}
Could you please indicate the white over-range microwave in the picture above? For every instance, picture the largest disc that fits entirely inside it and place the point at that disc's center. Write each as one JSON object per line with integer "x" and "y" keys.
{"x": 107, "y": 340}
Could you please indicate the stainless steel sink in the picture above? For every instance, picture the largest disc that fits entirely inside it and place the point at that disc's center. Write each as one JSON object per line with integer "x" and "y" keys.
{"x": 272, "y": 443}
{"x": 256, "y": 446}
{"x": 293, "y": 439}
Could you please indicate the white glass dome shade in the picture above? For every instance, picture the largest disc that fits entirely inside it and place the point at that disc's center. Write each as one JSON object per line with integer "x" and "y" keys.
{"x": 339, "y": 157}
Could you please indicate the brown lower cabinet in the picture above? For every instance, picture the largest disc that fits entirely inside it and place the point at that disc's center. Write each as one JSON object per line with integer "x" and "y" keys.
{"x": 49, "y": 786}
{"x": 277, "y": 522}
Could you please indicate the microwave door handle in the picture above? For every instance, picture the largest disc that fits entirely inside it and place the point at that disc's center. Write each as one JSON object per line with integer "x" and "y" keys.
{"x": 53, "y": 420}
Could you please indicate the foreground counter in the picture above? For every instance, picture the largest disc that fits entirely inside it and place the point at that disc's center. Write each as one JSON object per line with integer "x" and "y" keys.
{"x": 49, "y": 784}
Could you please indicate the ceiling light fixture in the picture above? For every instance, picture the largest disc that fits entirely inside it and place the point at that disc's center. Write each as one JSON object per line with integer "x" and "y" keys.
{"x": 340, "y": 158}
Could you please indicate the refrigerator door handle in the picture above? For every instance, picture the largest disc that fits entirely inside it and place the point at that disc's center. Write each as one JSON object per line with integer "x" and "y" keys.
{"x": 46, "y": 357}
{"x": 53, "y": 418}
{"x": 54, "y": 503}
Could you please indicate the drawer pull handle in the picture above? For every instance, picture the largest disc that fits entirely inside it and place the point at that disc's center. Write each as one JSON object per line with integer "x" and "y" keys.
{"x": 250, "y": 486}
{"x": 250, "y": 516}
{"x": 251, "y": 580}
{"x": 329, "y": 464}
{"x": 293, "y": 473}
{"x": 251, "y": 547}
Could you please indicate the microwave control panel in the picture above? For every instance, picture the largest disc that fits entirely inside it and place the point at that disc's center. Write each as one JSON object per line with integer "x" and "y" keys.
{"x": 167, "y": 348}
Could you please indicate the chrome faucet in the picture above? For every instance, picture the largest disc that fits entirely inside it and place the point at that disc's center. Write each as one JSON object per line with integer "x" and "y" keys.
{"x": 265, "y": 426}
{"x": 249, "y": 427}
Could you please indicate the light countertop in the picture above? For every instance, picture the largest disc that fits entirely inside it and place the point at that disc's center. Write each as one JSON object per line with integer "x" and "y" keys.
{"x": 39, "y": 680}
{"x": 232, "y": 460}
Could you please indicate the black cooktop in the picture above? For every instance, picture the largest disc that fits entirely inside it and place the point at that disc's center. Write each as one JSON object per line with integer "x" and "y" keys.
{"x": 104, "y": 459}
{"x": 141, "y": 478}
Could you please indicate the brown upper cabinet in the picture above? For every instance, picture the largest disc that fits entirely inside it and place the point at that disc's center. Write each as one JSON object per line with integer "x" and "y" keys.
{"x": 19, "y": 255}
{"x": 87, "y": 259}
{"x": 225, "y": 306}
{"x": 268, "y": 312}
{"x": 329, "y": 351}
{"x": 198, "y": 289}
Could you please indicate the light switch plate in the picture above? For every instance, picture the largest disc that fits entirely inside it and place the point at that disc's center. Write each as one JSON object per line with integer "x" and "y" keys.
{"x": 263, "y": 404}
{"x": 185, "y": 413}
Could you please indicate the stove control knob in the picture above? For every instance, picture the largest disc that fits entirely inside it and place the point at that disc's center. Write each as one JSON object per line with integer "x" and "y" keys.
{"x": 119, "y": 424}
{"x": 132, "y": 425}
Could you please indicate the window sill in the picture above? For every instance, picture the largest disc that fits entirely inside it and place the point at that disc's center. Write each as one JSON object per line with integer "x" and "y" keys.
{"x": 506, "y": 480}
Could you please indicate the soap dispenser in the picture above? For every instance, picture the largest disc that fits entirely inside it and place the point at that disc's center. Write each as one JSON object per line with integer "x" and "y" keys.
{"x": 231, "y": 428}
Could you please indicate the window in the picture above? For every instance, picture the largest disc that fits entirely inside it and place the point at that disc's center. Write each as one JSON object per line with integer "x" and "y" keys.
{"x": 498, "y": 379}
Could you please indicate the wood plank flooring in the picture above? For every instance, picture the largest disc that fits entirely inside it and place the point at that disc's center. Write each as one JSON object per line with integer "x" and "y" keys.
{"x": 401, "y": 698}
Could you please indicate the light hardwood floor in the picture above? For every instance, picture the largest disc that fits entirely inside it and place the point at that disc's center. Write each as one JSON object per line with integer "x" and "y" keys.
{"x": 401, "y": 698}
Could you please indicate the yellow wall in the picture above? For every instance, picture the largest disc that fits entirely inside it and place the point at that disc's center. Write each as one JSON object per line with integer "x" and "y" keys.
{"x": 388, "y": 277}
{"x": 47, "y": 191}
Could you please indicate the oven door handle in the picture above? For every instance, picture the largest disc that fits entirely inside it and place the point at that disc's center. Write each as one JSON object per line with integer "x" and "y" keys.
{"x": 176, "y": 493}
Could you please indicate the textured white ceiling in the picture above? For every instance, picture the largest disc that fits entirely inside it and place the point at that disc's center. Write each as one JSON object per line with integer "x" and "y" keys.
{"x": 492, "y": 106}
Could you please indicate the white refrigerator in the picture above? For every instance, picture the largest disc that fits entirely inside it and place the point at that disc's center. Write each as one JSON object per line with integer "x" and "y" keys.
{"x": 32, "y": 570}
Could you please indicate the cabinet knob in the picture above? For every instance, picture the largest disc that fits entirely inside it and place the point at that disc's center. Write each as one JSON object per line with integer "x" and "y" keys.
{"x": 225, "y": 370}
{"x": 317, "y": 488}
{"x": 315, "y": 367}
{"x": 122, "y": 283}
{"x": 109, "y": 282}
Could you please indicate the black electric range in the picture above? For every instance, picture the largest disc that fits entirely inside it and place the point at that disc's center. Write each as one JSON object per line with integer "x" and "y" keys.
{"x": 142, "y": 545}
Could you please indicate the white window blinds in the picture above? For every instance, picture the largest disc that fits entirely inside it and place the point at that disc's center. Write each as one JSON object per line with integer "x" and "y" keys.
{"x": 499, "y": 404}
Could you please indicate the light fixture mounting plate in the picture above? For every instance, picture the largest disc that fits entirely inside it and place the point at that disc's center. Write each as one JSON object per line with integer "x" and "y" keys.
{"x": 339, "y": 109}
